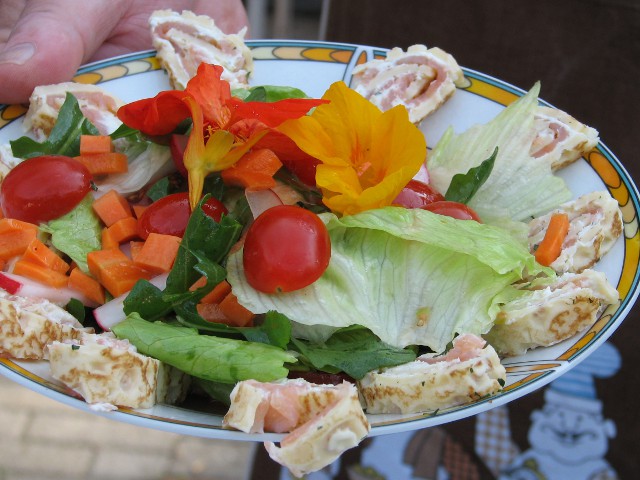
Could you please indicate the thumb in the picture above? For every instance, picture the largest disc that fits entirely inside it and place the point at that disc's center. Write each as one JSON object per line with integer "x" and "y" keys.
{"x": 49, "y": 41}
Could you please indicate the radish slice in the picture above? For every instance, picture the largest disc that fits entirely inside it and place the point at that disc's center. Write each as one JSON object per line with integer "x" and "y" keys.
{"x": 423, "y": 174}
{"x": 112, "y": 312}
{"x": 261, "y": 200}
{"x": 25, "y": 287}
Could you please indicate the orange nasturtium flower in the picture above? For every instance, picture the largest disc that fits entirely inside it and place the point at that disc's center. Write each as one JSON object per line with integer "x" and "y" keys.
{"x": 367, "y": 156}
{"x": 224, "y": 127}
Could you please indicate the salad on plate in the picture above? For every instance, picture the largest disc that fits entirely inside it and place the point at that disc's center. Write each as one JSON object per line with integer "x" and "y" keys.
{"x": 303, "y": 262}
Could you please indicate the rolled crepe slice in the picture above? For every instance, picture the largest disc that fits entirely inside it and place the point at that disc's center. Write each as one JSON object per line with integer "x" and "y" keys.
{"x": 185, "y": 40}
{"x": 421, "y": 79}
{"x": 469, "y": 371}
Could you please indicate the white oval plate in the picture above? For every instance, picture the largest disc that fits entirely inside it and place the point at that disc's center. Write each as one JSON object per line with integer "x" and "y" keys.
{"x": 312, "y": 67}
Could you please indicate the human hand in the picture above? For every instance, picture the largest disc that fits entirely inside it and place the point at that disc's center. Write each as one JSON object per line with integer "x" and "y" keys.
{"x": 45, "y": 41}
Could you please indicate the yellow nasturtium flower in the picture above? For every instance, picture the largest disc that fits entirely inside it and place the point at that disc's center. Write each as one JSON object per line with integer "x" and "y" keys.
{"x": 367, "y": 156}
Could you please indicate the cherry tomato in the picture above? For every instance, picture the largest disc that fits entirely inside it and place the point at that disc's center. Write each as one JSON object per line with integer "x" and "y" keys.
{"x": 43, "y": 188}
{"x": 417, "y": 194}
{"x": 453, "y": 209}
{"x": 169, "y": 215}
{"x": 286, "y": 248}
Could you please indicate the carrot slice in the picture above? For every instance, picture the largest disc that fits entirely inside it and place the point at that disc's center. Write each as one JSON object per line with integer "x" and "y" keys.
{"x": 105, "y": 163}
{"x": 158, "y": 252}
{"x": 13, "y": 243}
{"x": 551, "y": 245}
{"x": 216, "y": 295}
{"x": 124, "y": 230}
{"x": 92, "y": 144}
{"x": 112, "y": 207}
{"x": 238, "y": 315}
{"x": 38, "y": 253}
{"x": 12, "y": 225}
{"x": 88, "y": 286}
{"x": 40, "y": 273}
{"x": 254, "y": 170}
{"x": 121, "y": 277}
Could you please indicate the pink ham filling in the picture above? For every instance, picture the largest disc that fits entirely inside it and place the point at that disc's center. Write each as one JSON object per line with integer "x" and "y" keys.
{"x": 465, "y": 347}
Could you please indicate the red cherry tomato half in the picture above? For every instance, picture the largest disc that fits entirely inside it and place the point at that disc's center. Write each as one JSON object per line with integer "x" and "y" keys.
{"x": 417, "y": 194}
{"x": 169, "y": 215}
{"x": 286, "y": 248}
{"x": 453, "y": 209}
{"x": 44, "y": 188}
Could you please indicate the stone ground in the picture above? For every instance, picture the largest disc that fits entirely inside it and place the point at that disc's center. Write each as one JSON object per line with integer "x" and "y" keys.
{"x": 42, "y": 439}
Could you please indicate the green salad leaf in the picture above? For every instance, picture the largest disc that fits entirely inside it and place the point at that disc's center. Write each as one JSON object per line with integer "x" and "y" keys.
{"x": 520, "y": 186}
{"x": 355, "y": 351}
{"x": 268, "y": 93}
{"x": 464, "y": 186}
{"x": 411, "y": 276}
{"x": 76, "y": 233}
{"x": 64, "y": 138}
{"x": 208, "y": 357}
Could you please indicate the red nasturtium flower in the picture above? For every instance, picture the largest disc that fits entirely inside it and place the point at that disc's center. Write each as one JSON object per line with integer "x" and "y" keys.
{"x": 224, "y": 127}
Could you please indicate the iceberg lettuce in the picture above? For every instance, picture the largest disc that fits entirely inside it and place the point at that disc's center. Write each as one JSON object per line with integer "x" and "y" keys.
{"x": 412, "y": 277}
{"x": 520, "y": 187}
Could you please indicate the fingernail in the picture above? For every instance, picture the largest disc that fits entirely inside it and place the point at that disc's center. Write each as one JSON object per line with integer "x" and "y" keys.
{"x": 18, "y": 54}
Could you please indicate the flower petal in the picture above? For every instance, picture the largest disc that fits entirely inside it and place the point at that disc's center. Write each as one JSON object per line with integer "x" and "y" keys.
{"x": 159, "y": 115}
{"x": 212, "y": 94}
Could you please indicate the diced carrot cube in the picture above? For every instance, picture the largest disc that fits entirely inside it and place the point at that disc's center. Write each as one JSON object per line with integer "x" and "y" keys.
{"x": 40, "y": 273}
{"x": 219, "y": 292}
{"x": 11, "y": 225}
{"x": 108, "y": 242}
{"x": 105, "y": 163}
{"x": 112, "y": 207}
{"x": 158, "y": 252}
{"x": 211, "y": 313}
{"x": 121, "y": 277}
{"x": 124, "y": 230}
{"x": 238, "y": 315}
{"x": 138, "y": 210}
{"x": 37, "y": 252}
{"x": 100, "y": 259}
{"x": 92, "y": 144}
{"x": 15, "y": 242}
{"x": 88, "y": 286}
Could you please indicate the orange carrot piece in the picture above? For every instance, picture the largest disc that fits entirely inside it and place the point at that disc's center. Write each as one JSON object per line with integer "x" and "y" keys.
{"x": 101, "y": 259}
{"x": 13, "y": 243}
{"x": 138, "y": 210}
{"x": 12, "y": 225}
{"x": 92, "y": 144}
{"x": 105, "y": 163}
{"x": 88, "y": 286}
{"x": 216, "y": 295}
{"x": 551, "y": 245}
{"x": 254, "y": 170}
{"x": 108, "y": 241}
{"x": 38, "y": 253}
{"x": 39, "y": 273}
{"x": 238, "y": 315}
{"x": 112, "y": 207}
{"x": 119, "y": 278}
{"x": 124, "y": 230}
{"x": 158, "y": 252}
{"x": 211, "y": 312}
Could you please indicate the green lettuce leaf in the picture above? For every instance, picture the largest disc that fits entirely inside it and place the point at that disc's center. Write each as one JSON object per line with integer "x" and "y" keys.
{"x": 519, "y": 187}
{"x": 355, "y": 351}
{"x": 77, "y": 232}
{"x": 211, "y": 358}
{"x": 412, "y": 277}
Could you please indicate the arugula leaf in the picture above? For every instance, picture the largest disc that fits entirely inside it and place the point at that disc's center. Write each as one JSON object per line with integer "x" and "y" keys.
{"x": 464, "y": 186}
{"x": 275, "y": 330}
{"x": 76, "y": 233}
{"x": 206, "y": 236}
{"x": 353, "y": 350}
{"x": 211, "y": 358}
{"x": 124, "y": 131}
{"x": 65, "y": 135}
